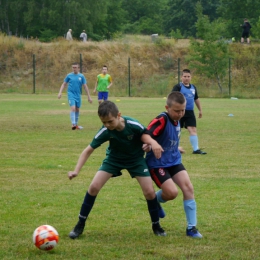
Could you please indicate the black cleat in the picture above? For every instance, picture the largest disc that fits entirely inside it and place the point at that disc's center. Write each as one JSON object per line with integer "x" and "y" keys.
{"x": 78, "y": 230}
{"x": 158, "y": 230}
{"x": 199, "y": 152}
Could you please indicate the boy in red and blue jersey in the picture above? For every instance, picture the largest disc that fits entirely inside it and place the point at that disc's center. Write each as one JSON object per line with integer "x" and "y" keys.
{"x": 168, "y": 170}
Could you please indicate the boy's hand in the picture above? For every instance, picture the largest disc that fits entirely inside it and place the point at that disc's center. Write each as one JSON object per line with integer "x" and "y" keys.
{"x": 157, "y": 150}
{"x": 72, "y": 175}
{"x": 147, "y": 147}
{"x": 181, "y": 149}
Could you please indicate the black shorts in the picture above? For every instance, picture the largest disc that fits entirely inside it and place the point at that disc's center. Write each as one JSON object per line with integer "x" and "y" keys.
{"x": 188, "y": 119}
{"x": 245, "y": 35}
{"x": 160, "y": 175}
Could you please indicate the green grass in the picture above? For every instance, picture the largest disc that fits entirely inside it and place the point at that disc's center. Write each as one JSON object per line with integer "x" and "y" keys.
{"x": 38, "y": 149}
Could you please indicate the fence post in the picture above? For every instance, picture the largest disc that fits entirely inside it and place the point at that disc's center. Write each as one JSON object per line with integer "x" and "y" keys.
{"x": 129, "y": 79}
{"x": 179, "y": 70}
{"x": 34, "y": 73}
{"x": 230, "y": 76}
{"x": 80, "y": 62}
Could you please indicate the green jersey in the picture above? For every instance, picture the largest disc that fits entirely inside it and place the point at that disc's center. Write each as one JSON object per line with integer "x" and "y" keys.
{"x": 103, "y": 81}
{"x": 123, "y": 145}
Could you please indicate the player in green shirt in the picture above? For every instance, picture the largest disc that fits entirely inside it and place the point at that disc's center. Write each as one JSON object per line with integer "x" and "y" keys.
{"x": 125, "y": 136}
{"x": 103, "y": 83}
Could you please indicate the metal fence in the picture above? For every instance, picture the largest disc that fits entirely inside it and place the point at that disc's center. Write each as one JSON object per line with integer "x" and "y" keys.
{"x": 37, "y": 73}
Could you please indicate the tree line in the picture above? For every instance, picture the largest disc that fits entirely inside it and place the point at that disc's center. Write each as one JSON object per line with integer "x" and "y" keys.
{"x": 105, "y": 19}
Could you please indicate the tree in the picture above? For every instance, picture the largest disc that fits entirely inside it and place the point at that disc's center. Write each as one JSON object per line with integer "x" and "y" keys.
{"x": 209, "y": 56}
{"x": 234, "y": 11}
{"x": 144, "y": 16}
{"x": 181, "y": 14}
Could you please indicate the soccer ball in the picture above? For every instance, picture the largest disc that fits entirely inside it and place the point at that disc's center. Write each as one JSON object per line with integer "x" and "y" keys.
{"x": 45, "y": 237}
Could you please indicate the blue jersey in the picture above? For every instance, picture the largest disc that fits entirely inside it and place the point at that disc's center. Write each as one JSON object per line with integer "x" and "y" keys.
{"x": 75, "y": 82}
{"x": 189, "y": 94}
{"x": 167, "y": 133}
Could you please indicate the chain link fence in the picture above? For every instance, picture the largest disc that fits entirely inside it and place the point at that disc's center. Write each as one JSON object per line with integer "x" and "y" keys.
{"x": 42, "y": 73}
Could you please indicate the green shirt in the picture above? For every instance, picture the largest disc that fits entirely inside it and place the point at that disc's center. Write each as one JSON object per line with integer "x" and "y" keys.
{"x": 123, "y": 145}
{"x": 103, "y": 81}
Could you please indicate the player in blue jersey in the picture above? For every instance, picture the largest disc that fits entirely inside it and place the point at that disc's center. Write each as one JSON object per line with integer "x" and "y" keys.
{"x": 168, "y": 170}
{"x": 75, "y": 80}
{"x": 189, "y": 120}
{"x": 125, "y": 137}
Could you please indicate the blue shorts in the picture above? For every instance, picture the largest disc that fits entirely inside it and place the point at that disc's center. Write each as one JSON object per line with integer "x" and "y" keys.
{"x": 74, "y": 102}
{"x": 102, "y": 95}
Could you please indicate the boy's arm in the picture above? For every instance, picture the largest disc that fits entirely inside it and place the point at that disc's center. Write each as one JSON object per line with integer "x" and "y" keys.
{"x": 111, "y": 83}
{"x": 81, "y": 161}
{"x": 157, "y": 149}
{"x": 87, "y": 91}
{"x": 61, "y": 89}
{"x": 197, "y": 102}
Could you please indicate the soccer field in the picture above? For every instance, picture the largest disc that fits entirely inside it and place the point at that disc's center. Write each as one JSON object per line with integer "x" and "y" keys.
{"x": 38, "y": 148}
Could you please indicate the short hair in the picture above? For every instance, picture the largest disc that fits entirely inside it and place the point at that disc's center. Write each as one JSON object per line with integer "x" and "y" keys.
{"x": 104, "y": 66}
{"x": 186, "y": 71}
{"x": 175, "y": 96}
{"x": 75, "y": 63}
{"x": 245, "y": 19}
{"x": 107, "y": 107}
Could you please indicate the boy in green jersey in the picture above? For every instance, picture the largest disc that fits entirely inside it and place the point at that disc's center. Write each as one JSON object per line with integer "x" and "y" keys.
{"x": 103, "y": 83}
{"x": 125, "y": 136}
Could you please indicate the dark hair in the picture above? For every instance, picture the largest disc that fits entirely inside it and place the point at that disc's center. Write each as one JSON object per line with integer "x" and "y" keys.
{"x": 175, "y": 96}
{"x": 75, "y": 63}
{"x": 186, "y": 71}
{"x": 105, "y": 66}
{"x": 107, "y": 107}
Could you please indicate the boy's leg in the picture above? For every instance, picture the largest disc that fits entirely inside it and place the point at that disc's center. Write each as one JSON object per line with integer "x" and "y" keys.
{"x": 183, "y": 181}
{"x": 100, "y": 97}
{"x": 73, "y": 117}
{"x": 149, "y": 193}
{"x": 105, "y": 95}
{"x": 97, "y": 183}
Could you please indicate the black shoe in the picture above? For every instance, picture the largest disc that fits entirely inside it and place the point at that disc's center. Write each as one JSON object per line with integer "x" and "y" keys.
{"x": 73, "y": 127}
{"x": 78, "y": 230}
{"x": 199, "y": 152}
{"x": 158, "y": 230}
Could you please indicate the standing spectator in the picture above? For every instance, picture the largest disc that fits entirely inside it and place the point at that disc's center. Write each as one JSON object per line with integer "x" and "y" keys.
{"x": 104, "y": 82}
{"x": 69, "y": 35}
{"x": 75, "y": 80}
{"x": 189, "y": 119}
{"x": 246, "y": 30}
{"x": 83, "y": 36}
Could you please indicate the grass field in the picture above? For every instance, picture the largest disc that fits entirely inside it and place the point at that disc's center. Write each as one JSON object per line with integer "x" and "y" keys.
{"x": 38, "y": 148}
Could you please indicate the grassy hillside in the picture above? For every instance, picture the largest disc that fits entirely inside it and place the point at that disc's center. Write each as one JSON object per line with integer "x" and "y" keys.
{"x": 153, "y": 66}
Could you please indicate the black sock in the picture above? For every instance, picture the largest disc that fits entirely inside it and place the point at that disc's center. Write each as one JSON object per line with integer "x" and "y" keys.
{"x": 153, "y": 210}
{"x": 86, "y": 207}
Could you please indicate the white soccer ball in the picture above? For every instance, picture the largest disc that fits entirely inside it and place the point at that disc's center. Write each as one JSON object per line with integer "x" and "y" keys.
{"x": 45, "y": 237}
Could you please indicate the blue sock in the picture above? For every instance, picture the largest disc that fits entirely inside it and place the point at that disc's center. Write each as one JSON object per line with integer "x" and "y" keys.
{"x": 86, "y": 207}
{"x": 190, "y": 209}
{"x": 73, "y": 118}
{"x": 159, "y": 196}
{"x": 194, "y": 142}
{"x": 76, "y": 117}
